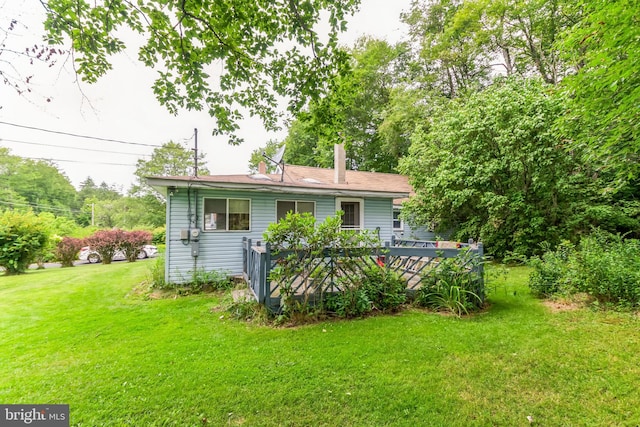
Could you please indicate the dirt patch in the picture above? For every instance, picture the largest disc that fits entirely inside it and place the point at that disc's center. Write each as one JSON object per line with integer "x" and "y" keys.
{"x": 562, "y": 305}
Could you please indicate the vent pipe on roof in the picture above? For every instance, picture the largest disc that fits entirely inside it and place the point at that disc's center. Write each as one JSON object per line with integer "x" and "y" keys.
{"x": 339, "y": 164}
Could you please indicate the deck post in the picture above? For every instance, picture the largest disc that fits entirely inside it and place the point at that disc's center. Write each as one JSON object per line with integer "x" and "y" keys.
{"x": 266, "y": 269}
{"x": 387, "y": 252}
{"x": 259, "y": 258}
{"x": 480, "y": 268}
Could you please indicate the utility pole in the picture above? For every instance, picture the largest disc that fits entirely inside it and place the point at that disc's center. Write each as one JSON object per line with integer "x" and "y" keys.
{"x": 93, "y": 214}
{"x": 195, "y": 156}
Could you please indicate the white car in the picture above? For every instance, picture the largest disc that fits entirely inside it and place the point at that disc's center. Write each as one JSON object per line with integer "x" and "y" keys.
{"x": 86, "y": 254}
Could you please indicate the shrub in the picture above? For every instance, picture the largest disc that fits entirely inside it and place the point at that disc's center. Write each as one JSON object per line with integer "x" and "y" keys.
{"x": 106, "y": 243}
{"x": 210, "y": 280}
{"x": 604, "y": 266}
{"x": 386, "y": 289}
{"x": 132, "y": 243}
{"x": 159, "y": 235}
{"x": 200, "y": 280}
{"x": 156, "y": 274}
{"x": 313, "y": 254}
{"x": 67, "y": 250}
{"x": 608, "y": 268}
{"x": 351, "y": 302}
{"x": 550, "y": 273}
{"x": 22, "y": 237}
{"x": 247, "y": 309}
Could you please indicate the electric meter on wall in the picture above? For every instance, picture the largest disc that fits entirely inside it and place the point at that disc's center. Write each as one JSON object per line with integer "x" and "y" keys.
{"x": 195, "y": 233}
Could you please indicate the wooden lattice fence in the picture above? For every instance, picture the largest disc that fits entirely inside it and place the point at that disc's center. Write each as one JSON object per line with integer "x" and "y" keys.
{"x": 317, "y": 275}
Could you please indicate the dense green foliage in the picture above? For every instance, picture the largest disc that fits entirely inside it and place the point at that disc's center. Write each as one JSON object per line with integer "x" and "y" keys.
{"x": 34, "y": 183}
{"x": 603, "y": 266}
{"x": 605, "y": 114}
{"x": 522, "y": 117}
{"x": 491, "y": 169}
{"x": 266, "y": 49}
{"x": 22, "y": 238}
{"x": 517, "y": 121}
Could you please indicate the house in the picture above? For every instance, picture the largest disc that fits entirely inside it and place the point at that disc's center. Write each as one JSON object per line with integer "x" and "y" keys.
{"x": 208, "y": 216}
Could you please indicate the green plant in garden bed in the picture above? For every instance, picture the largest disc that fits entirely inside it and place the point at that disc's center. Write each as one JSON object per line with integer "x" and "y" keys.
{"x": 199, "y": 280}
{"x": 452, "y": 285}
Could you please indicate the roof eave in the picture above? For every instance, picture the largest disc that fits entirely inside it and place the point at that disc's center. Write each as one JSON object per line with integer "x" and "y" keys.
{"x": 162, "y": 184}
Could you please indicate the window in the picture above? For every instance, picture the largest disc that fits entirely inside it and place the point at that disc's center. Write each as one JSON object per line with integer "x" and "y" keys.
{"x": 285, "y": 206}
{"x": 353, "y": 216}
{"x": 398, "y": 225}
{"x": 227, "y": 214}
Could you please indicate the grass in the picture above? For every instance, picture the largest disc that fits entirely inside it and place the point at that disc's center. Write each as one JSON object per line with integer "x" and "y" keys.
{"x": 75, "y": 336}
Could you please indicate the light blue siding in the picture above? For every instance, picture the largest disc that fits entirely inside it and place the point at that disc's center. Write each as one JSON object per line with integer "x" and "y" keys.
{"x": 379, "y": 213}
{"x": 415, "y": 233}
{"x": 222, "y": 250}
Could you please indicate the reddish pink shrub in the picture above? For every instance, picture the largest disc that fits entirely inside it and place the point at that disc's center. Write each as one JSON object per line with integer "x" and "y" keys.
{"x": 106, "y": 243}
{"x": 132, "y": 243}
{"x": 67, "y": 250}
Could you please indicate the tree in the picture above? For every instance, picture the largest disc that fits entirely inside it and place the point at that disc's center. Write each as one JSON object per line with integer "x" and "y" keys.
{"x": 257, "y": 156}
{"x": 450, "y": 59}
{"x": 39, "y": 183}
{"x": 137, "y": 212}
{"x": 491, "y": 168}
{"x": 264, "y": 49}
{"x": 88, "y": 197}
{"x": 605, "y": 91}
{"x": 351, "y": 112}
{"x": 170, "y": 159}
{"x": 19, "y": 54}
{"x": 462, "y": 45}
{"x": 22, "y": 237}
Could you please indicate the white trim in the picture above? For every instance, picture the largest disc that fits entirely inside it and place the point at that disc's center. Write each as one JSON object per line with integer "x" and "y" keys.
{"x": 295, "y": 201}
{"x": 226, "y": 230}
{"x": 339, "y": 201}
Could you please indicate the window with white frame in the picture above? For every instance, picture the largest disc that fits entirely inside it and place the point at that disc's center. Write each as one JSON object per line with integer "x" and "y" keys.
{"x": 296, "y": 206}
{"x": 398, "y": 224}
{"x": 353, "y": 213}
{"x": 227, "y": 214}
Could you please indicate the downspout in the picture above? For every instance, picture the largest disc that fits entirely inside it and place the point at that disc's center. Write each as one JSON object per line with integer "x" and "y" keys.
{"x": 167, "y": 235}
{"x": 195, "y": 225}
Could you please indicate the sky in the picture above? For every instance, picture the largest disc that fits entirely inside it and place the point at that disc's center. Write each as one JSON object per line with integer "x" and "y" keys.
{"x": 121, "y": 107}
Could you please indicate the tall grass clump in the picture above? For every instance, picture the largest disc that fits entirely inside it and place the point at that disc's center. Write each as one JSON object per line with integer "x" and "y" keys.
{"x": 450, "y": 286}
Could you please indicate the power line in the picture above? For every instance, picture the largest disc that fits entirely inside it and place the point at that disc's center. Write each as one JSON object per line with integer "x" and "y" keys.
{"x": 72, "y": 148}
{"x": 81, "y": 161}
{"x": 35, "y": 205}
{"x": 75, "y": 135}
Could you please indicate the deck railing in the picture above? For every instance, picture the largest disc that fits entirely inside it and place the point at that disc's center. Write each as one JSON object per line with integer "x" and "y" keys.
{"x": 335, "y": 268}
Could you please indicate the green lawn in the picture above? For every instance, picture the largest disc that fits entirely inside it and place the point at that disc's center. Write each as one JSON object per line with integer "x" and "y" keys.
{"x": 74, "y": 336}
